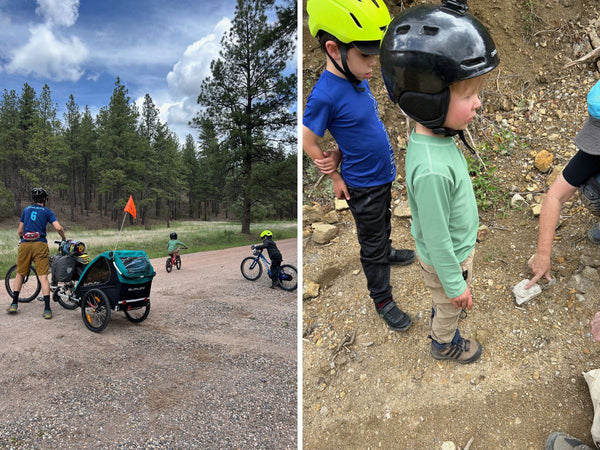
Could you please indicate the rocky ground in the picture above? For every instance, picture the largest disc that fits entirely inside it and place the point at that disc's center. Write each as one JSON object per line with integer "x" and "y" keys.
{"x": 365, "y": 386}
{"x": 213, "y": 366}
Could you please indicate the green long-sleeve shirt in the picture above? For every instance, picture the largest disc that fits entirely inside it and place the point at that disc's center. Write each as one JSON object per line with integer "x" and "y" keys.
{"x": 443, "y": 207}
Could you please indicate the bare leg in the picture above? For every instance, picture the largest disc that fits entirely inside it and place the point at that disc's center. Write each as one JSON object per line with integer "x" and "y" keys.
{"x": 18, "y": 282}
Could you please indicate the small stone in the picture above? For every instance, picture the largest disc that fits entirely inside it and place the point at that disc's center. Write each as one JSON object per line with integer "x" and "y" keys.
{"x": 543, "y": 161}
{"x": 311, "y": 214}
{"x": 340, "y": 205}
{"x": 483, "y": 232}
{"x": 536, "y": 209}
{"x": 331, "y": 217}
{"x": 448, "y": 445}
{"x": 310, "y": 289}
{"x": 517, "y": 200}
{"x": 323, "y": 233}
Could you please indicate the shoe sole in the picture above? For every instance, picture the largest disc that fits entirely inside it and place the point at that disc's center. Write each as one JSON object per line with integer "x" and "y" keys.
{"x": 472, "y": 359}
{"x": 402, "y": 263}
{"x": 404, "y": 328}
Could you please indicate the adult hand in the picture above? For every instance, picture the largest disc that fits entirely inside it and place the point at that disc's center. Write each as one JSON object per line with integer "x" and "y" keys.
{"x": 464, "y": 300}
{"x": 540, "y": 266}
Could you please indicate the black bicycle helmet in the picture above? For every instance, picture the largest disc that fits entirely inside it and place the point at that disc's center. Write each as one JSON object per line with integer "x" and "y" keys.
{"x": 39, "y": 195}
{"x": 425, "y": 50}
{"x": 590, "y": 194}
{"x": 173, "y": 235}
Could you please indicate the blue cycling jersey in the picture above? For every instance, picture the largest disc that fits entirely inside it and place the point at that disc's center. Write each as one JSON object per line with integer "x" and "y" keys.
{"x": 35, "y": 218}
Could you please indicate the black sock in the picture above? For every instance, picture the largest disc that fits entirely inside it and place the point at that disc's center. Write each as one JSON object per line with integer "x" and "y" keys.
{"x": 46, "y": 302}
{"x": 15, "y": 297}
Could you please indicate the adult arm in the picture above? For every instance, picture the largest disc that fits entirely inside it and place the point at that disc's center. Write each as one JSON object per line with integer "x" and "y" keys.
{"x": 59, "y": 229}
{"x": 21, "y": 229}
{"x": 312, "y": 149}
{"x": 557, "y": 195}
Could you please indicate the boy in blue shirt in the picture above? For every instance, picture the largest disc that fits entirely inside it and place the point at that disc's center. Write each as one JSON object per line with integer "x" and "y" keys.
{"x": 33, "y": 246}
{"x": 349, "y": 33}
{"x": 433, "y": 61}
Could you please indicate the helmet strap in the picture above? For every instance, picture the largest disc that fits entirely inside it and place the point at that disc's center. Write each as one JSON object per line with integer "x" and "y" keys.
{"x": 346, "y": 71}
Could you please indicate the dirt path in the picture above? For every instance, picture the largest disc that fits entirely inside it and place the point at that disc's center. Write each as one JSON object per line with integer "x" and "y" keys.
{"x": 213, "y": 366}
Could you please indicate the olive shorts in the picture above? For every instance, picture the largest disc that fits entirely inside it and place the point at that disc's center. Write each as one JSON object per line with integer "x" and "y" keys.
{"x": 33, "y": 251}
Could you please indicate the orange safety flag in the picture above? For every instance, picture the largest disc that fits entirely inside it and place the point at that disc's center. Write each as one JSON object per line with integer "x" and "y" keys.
{"x": 130, "y": 207}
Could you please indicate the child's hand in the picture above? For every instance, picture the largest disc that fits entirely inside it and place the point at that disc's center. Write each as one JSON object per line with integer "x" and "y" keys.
{"x": 340, "y": 189}
{"x": 329, "y": 163}
{"x": 464, "y": 300}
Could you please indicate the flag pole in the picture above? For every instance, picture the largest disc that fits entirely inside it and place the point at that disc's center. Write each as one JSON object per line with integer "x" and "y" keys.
{"x": 119, "y": 235}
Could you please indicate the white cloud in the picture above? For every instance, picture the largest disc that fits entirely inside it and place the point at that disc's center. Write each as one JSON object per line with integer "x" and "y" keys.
{"x": 49, "y": 55}
{"x": 58, "y": 12}
{"x": 187, "y": 74}
{"x": 185, "y": 78}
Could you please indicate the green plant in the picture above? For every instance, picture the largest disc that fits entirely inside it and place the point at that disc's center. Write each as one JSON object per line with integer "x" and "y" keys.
{"x": 487, "y": 191}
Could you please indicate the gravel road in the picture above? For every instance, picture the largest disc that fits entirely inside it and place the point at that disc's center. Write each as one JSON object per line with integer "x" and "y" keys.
{"x": 213, "y": 366}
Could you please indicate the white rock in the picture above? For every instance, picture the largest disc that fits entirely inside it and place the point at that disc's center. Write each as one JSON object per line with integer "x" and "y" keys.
{"x": 522, "y": 295}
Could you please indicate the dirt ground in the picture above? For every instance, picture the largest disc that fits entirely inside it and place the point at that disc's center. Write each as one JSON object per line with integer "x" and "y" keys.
{"x": 382, "y": 389}
{"x": 213, "y": 366}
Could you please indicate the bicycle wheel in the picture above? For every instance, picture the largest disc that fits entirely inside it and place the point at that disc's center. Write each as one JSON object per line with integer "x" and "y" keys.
{"x": 251, "y": 268}
{"x": 29, "y": 289}
{"x": 95, "y": 310}
{"x": 288, "y": 277}
{"x": 169, "y": 265}
{"x": 67, "y": 303}
{"x": 178, "y": 262}
{"x": 139, "y": 314}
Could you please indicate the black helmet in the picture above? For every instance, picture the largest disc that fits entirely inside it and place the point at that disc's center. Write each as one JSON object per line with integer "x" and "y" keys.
{"x": 590, "y": 194}
{"x": 173, "y": 235}
{"x": 39, "y": 195}
{"x": 425, "y": 50}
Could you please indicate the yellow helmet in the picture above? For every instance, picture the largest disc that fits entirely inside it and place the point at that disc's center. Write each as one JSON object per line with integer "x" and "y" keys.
{"x": 349, "y": 21}
{"x": 265, "y": 234}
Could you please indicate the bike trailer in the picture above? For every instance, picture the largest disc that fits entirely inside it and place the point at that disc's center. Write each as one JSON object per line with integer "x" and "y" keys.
{"x": 125, "y": 276}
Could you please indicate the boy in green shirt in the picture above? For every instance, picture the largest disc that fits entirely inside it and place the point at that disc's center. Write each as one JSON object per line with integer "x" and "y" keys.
{"x": 433, "y": 60}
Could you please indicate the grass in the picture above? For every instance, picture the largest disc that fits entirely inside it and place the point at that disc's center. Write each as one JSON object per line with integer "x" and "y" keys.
{"x": 198, "y": 236}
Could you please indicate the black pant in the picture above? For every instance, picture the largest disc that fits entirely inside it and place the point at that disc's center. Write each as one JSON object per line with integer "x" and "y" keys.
{"x": 275, "y": 263}
{"x": 372, "y": 214}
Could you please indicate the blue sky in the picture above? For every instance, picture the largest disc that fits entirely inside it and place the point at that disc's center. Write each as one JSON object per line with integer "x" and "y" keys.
{"x": 79, "y": 47}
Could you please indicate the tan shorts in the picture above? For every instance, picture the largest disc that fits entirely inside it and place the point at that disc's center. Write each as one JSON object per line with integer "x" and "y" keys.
{"x": 36, "y": 252}
{"x": 445, "y": 321}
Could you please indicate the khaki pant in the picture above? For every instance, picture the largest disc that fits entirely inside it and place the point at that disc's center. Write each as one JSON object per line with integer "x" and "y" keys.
{"x": 445, "y": 320}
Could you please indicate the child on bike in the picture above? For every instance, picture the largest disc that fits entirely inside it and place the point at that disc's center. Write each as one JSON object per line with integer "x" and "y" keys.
{"x": 438, "y": 85}
{"x": 174, "y": 245}
{"x": 274, "y": 254}
{"x": 33, "y": 247}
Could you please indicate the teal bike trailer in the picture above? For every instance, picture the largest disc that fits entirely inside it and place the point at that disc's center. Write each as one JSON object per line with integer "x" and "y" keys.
{"x": 118, "y": 281}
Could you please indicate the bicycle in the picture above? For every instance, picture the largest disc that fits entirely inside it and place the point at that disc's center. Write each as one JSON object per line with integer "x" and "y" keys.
{"x": 173, "y": 260}
{"x": 252, "y": 269}
{"x": 61, "y": 291}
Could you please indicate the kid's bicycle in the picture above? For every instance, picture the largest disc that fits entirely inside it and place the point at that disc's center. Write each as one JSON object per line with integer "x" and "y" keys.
{"x": 252, "y": 269}
{"x": 173, "y": 260}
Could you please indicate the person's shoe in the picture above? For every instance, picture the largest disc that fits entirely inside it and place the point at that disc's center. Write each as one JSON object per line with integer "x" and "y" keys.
{"x": 47, "y": 314}
{"x": 401, "y": 257}
{"x": 593, "y": 234}
{"x": 13, "y": 308}
{"x": 395, "y": 318}
{"x": 562, "y": 441}
{"x": 274, "y": 285}
{"x": 463, "y": 351}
